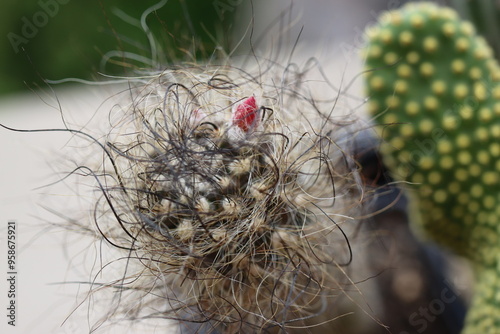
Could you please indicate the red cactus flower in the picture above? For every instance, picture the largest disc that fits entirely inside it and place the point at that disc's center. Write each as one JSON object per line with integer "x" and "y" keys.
{"x": 245, "y": 114}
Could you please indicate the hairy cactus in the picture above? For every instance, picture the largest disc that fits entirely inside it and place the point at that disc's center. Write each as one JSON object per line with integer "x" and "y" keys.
{"x": 229, "y": 195}
{"x": 434, "y": 94}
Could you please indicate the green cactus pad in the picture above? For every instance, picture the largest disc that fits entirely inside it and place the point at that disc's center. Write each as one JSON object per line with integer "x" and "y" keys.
{"x": 433, "y": 88}
{"x": 434, "y": 93}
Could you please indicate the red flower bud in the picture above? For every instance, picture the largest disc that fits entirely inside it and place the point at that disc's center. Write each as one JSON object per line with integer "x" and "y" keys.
{"x": 245, "y": 114}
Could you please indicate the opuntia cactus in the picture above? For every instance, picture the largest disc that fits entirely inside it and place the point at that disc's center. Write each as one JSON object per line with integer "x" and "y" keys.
{"x": 434, "y": 93}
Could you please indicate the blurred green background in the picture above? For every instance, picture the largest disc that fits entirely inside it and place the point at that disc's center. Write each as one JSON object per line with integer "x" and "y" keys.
{"x": 57, "y": 39}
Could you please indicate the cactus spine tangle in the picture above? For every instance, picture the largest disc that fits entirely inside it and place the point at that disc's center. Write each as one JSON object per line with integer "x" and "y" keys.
{"x": 232, "y": 200}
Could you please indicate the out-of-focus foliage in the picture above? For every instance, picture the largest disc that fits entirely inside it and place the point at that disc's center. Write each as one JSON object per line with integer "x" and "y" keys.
{"x": 56, "y": 39}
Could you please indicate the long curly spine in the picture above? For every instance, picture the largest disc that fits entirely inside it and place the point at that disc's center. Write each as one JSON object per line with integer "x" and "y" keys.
{"x": 231, "y": 195}
{"x": 435, "y": 94}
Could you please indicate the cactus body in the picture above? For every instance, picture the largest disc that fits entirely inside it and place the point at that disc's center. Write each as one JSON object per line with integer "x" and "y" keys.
{"x": 230, "y": 203}
{"x": 435, "y": 95}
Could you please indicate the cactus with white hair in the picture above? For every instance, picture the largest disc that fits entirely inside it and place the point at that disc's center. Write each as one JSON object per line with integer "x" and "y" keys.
{"x": 231, "y": 194}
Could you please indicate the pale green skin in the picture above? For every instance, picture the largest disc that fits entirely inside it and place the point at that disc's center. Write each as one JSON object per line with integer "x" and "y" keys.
{"x": 434, "y": 93}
